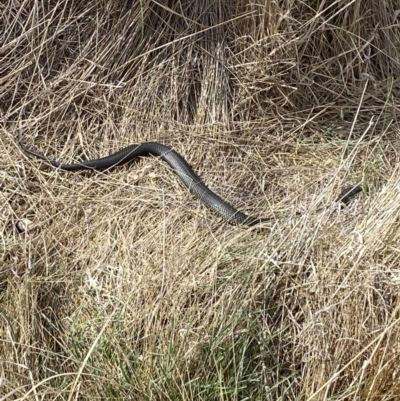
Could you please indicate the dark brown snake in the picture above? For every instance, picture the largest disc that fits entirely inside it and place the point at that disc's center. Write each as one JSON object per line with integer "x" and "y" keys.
{"x": 184, "y": 171}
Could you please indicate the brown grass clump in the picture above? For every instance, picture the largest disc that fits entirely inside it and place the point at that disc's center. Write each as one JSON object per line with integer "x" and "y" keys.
{"x": 121, "y": 285}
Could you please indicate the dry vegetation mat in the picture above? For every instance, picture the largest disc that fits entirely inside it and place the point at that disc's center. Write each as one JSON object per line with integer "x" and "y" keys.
{"x": 120, "y": 284}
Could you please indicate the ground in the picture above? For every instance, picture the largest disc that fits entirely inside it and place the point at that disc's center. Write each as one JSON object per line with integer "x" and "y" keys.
{"x": 120, "y": 284}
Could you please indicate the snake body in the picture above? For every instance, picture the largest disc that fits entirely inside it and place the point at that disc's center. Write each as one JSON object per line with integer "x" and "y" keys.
{"x": 179, "y": 165}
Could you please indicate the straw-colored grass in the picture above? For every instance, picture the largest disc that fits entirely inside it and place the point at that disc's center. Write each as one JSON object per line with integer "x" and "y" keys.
{"x": 121, "y": 285}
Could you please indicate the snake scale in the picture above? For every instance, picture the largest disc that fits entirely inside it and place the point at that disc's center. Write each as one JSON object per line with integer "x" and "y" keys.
{"x": 184, "y": 171}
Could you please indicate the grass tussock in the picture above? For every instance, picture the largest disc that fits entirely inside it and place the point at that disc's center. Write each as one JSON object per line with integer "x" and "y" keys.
{"x": 119, "y": 284}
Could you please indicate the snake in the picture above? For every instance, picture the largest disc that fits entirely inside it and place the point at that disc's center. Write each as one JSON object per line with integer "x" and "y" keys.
{"x": 184, "y": 171}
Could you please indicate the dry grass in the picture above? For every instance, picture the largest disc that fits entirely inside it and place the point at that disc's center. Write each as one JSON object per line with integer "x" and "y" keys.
{"x": 121, "y": 285}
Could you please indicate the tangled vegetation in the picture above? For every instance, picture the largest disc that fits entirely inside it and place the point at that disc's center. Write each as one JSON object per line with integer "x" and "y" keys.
{"x": 120, "y": 285}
